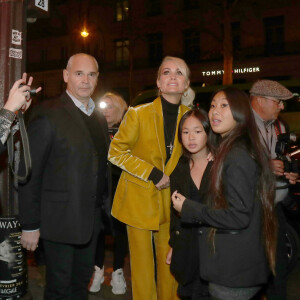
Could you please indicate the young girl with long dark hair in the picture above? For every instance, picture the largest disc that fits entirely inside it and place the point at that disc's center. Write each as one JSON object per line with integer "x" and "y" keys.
{"x": 193, "y": 166}
{"x": 237, "y": 241}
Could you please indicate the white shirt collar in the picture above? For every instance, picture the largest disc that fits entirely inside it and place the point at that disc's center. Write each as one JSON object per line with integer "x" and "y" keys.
{"x": 91, "y": 105}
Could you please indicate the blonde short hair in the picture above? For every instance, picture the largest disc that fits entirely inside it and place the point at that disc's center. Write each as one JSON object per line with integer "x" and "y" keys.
{"x": 118, "y": 102}
{"x": 181, "y": 64}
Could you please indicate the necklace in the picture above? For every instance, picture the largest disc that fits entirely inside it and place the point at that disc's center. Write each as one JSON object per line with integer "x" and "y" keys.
{"x": 171, "y": 144}
{"x": 170, "y": 115}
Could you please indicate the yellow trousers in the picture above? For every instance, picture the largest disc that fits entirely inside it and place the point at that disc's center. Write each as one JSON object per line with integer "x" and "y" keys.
{"x": 142, "y": 264}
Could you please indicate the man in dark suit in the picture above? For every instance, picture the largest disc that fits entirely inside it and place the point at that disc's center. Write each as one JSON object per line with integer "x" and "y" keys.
{"x": 63, "y": 199}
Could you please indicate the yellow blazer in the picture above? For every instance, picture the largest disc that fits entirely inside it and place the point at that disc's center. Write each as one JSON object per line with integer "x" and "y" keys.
{"x": 138, "y": 146}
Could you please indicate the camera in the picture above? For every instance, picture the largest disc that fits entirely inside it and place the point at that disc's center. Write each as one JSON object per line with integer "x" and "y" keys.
{"x": 32, "y": 92}
{"x": 112, "y": 131}
{"x": 287, "y": 151}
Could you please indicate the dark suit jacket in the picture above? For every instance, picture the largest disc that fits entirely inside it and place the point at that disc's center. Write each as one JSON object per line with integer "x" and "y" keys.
{"x": 184, "y": 236}
{"x": 60, "y": 195}
{"x": 239, "y": 259}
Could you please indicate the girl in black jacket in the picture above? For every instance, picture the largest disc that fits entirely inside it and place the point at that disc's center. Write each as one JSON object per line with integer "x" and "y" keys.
{"x": 190, "y": 177}
{"x": 237, "y": 241}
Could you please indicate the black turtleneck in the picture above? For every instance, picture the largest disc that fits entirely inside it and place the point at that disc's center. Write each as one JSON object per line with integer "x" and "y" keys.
{"x": 170, "y": 113}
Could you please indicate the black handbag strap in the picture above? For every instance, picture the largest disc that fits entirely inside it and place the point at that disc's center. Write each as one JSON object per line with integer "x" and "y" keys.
{"x": 26, "y": 150}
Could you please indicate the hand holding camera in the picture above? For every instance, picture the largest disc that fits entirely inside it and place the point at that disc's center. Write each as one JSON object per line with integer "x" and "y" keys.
{"x": 285, "y": 164}
{"x": 20, "y": 95}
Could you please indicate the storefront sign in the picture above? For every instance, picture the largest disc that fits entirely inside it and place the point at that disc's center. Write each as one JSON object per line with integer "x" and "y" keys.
{"x": 234, "y": 71}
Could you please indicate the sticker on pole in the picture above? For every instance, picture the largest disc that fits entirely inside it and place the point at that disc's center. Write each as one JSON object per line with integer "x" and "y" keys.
{"x": 42, "y": 4}
{"x": 16, "y": 37}
{"x": 13, "y": 268}
{"x": 15, "y": 53}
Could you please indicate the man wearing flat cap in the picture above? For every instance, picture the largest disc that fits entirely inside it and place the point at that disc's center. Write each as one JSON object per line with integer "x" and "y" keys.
{"x": 267, "y": 98}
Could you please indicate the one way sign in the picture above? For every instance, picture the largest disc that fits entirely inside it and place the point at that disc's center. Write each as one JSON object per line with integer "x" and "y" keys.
{"x": 42, "y": 4}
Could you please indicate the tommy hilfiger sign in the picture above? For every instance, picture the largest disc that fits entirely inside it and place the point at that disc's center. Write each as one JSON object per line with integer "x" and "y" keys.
{"x": 235, "y": 71}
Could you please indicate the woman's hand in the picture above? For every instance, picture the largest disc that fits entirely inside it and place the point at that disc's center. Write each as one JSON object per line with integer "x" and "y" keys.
{"x": 19, "y": 97}
{"x": 169, "y": 256}
{"x": 163, "y": 183}
{"x": 177, "y": 200}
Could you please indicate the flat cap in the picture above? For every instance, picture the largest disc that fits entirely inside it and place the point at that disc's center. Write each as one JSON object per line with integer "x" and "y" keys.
{"x": 270, "y": 88}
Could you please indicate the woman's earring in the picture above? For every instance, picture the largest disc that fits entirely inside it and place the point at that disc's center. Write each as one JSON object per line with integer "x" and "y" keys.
{"x": 185, "y": 93}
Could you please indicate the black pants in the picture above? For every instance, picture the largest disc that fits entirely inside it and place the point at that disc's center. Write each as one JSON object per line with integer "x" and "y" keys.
{"x": 276, "y": 288}
{"x": 70, "y": 267}
{"x": 196, "y": 290}
{"x": 120, "y": 246}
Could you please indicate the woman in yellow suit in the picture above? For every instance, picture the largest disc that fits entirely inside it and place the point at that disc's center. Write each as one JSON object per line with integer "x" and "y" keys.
{"x": 146, "y": 147}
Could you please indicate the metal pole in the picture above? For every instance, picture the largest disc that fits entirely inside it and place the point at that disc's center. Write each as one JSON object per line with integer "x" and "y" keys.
{"x": 12, "y": 45}
{"x": 13, "y": 281}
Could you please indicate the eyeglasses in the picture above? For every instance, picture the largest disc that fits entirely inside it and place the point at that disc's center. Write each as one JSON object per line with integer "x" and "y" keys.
{"x": 278, "y": 102}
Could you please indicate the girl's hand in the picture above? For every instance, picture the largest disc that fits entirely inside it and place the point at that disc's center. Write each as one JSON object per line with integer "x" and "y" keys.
{"x": 210, "y": 157}
{"x": 177, "y": 200}
{"x": 169, "y": 256}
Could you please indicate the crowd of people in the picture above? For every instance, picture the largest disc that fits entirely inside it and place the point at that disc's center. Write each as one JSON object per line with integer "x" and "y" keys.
{"x": 196, "y": 197}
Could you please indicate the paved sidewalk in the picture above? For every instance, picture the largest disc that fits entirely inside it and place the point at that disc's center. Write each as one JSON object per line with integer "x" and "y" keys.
{"x": 105, "y": 293}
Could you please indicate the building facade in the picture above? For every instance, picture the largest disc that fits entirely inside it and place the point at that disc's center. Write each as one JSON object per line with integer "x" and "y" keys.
{"x": 129, "y": 38}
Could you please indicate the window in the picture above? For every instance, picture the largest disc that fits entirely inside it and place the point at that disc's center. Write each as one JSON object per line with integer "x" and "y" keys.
{"x": 155, "y": 48}
{"x": 236, "y": 37}
{"x": 191, "y": 49}
{"x": 190, "y": 4}
{"x": 122, "y": 52}
{"x": 274, "y": 35}
{"x": 122, "y": 8}
{"x": 153, "y": 7}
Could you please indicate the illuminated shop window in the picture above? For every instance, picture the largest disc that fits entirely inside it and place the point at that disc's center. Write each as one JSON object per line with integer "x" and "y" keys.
{"x": 122, "y": 10}
{"x": 191, "y": 45}
{"x": 274, "y": 35}
{"x": 122, "y": 52}
{"x": 155, "y": 48}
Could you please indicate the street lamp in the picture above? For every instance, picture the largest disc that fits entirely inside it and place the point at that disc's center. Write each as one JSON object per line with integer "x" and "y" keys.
{"x": 84, "y": 33}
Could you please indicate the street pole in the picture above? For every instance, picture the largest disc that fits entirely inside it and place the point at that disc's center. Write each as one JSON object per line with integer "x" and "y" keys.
{"x": 12, "y": 64}
{"x": 13, "y": 269}
{"x": 13, "y": 272}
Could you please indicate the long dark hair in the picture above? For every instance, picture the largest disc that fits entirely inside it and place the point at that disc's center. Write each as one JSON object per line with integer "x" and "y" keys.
{"x": 202, "y": 116}
{"x": 245, "y": 132}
